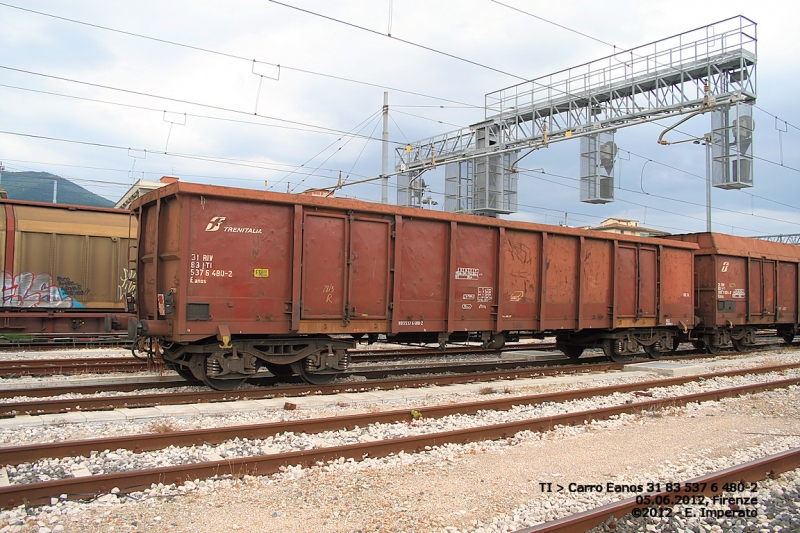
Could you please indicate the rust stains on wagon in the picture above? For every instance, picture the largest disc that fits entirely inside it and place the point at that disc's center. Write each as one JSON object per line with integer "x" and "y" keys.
{"x": 233, "y": 279}
{"x": 743, "y": 284}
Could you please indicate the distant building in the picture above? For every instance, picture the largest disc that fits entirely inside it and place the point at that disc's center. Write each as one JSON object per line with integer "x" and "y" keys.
{"x": 625, "y": 226}
{"x": 140, "y": 188}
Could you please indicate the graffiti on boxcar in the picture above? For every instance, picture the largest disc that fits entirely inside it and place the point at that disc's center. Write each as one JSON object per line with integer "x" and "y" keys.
{"x": 71, "y": 288}
{"x": 30, "y": 290}
{"x": 127, "y": 283}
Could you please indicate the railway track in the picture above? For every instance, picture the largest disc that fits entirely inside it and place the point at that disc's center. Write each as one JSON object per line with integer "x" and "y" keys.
{"x": 130, "y": 481}
{"x": 48, "y": 405}
{"x": 46, "y": 367}
{"x": 270, "y": 387}
{"x": 87, "y": 365}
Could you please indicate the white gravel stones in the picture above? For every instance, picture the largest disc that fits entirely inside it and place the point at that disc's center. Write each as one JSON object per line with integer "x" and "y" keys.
{"x": 354, "y": 483}
{"x": 124, "y": 460}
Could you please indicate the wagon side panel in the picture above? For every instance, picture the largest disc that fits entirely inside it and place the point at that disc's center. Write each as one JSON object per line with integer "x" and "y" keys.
{"x": 597, "y": 283}
{"x": 562, "y": 282}
{"x": 521, "y": 291}
{"x": 677, "y": 267}
{"x": 475, "y": 278}
{"x": 787, "y": 293}
{"x": 236, "y": 266}
{"x": 423, "y": 283}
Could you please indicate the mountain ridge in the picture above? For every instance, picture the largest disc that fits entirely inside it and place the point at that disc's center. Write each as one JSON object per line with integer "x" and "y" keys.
{"x": 38, "y": 187}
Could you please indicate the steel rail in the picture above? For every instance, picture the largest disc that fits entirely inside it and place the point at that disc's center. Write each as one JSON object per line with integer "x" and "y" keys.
{"x": 398, "y": 353}
{"x": 158, "y": 441}
{"x": 766, "y": 467}
{"x": 42, "y": 367}
{"x": 40, "y": 493}
{"x": 101, "y": 403}
{"x": 51, "y": 406}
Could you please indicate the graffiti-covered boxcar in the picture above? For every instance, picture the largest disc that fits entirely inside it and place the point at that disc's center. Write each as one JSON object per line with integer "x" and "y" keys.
{"x": 65, "y": 268}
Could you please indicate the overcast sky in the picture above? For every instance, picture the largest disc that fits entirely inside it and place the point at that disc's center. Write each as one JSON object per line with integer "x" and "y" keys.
{"x": 131, "y": 92}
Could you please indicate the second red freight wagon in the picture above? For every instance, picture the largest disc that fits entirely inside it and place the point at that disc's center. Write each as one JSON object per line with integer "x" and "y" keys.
{"x": 230, "y": 280}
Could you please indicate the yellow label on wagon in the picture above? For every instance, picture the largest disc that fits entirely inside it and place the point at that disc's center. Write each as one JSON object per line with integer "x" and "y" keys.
{"x": 261, "y": 273}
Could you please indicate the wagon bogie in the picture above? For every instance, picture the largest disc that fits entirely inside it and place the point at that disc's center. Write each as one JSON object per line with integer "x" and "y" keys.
{"x": 620, "y": 345}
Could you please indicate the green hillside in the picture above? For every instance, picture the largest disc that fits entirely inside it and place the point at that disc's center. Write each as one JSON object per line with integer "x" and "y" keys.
{"x": 38, "y": 187}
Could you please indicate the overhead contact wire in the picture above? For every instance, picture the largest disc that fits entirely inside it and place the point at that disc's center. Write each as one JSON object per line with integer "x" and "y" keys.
{"x": 233, "y": 56}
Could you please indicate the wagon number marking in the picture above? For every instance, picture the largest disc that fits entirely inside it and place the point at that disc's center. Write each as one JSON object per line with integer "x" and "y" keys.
{"x": 202, "y": 267}
{"x": 328, "y": 289}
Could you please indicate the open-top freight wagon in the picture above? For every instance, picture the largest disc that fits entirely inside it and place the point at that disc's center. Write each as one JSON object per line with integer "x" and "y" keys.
{"x": 66, "y": 273}
{"x": 230, "y": 280}
{"x": 742, "y": 285}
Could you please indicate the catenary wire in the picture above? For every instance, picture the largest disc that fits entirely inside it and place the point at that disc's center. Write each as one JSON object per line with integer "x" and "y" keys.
{"x": 698, "y": 176}
{"x": 688, "y": 203}
{"x": 375, "y": 32}
{"x": 178, "y": 100}
{"x": 156, "y": 110}
{"x": 363, "y": 124}
{"x": 212, "y": 159}
{"x": 554, "y": 24}
{"x": 234, "y": 56}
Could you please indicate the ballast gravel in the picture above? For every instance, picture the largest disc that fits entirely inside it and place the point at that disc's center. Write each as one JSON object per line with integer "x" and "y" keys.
{"x": 489, "y": 486}
{"x": 436, "y": 395}
{"x": 108, "y": 461}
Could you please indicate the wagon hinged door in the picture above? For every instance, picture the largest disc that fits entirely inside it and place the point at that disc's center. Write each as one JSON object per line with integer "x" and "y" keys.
{"x": 345, "y": 267}
{"x": 762, "y": 287}
{"x": 637, "y": 282}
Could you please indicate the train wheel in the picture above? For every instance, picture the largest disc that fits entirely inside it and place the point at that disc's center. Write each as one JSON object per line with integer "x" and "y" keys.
{"x": 653, "y": 351}
{"x": 699, "y": 345}
{"x": 182, "y": 371}
{"x": 299, "y": 368}
{"x": 710, "y": 346}
{"x": 611, "y": 348}
{"x": 571, "y": 351}
{"x": 497, "y": 342}
{"x": 280, "y": 371}
{"x": 739, "y": 345}
{"x": 787, "y": 336}
{"x": 199, "y": 366}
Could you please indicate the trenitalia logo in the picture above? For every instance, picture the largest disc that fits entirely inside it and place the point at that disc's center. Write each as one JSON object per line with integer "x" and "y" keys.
{"x": 215, "y": 223}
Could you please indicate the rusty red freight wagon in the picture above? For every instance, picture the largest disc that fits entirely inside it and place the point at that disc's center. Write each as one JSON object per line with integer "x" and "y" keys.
{"x": 230, "y": 280}
{"x": 65, "y": 270}
{"x": 743, "y": 284}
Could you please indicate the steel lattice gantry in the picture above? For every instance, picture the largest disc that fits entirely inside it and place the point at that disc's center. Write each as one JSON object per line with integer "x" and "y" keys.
{"x": 664, "y": 78}
{"x": 792, "y": 238}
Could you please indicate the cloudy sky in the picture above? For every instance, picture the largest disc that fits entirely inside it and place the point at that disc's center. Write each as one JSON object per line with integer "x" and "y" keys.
{"x": 105, "y": 108}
